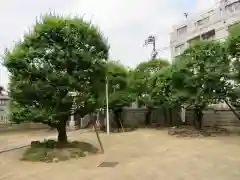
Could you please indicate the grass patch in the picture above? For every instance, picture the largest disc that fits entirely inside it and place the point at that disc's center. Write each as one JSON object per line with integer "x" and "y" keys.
{"x": 52, "y": 151}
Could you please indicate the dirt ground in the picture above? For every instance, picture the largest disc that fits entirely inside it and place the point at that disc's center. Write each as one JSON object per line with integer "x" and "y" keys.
{"x": 13, "y": 136}
{"x": 142, "y": 155}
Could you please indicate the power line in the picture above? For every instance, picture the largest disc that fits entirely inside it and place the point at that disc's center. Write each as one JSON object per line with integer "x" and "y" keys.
{"x": 169, "y": 47}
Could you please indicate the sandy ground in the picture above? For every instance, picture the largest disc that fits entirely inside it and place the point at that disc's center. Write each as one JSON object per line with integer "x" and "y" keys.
{"x": 15, "y": 136}
{"x": 142, "y": 155}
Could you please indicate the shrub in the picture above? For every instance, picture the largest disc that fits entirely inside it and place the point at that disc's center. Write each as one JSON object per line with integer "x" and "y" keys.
{"x": 52, "y": 151}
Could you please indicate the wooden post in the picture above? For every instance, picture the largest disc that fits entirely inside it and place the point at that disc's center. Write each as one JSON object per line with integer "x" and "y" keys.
{"x": 97, "y": 134}
{"x": 121, "y": 125}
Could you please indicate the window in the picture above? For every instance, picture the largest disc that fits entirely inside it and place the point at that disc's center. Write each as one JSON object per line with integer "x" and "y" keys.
{"x": 179, "y": 49}
{"x": 210, "y": 35}
{"x": 202, "y": 21}
{"x": 233, "y": 7}
{"x": 181, "y": 30}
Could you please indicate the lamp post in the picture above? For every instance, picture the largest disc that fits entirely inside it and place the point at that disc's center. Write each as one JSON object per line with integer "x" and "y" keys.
{"x": 107, "y": 112}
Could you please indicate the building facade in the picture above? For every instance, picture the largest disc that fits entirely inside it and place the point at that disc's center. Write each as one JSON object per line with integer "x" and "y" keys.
{"x": 210, "y": 24}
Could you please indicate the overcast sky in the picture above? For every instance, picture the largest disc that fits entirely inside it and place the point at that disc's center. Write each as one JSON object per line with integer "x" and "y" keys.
{"x": 126, "y": 23}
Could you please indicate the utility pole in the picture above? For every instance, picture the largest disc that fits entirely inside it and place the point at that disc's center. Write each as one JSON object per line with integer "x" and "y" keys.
{"x": 152, "y": 40}
{"x": 186, "y": 15}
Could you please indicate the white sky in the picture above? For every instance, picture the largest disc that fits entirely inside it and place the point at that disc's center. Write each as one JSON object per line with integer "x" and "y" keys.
{"x": 126, "y": 23}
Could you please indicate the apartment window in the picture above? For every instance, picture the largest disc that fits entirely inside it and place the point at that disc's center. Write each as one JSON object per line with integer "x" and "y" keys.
{"x": 179, "y": 49}
{"x": 233, "y": 7}
{"x": 181, "y": 30}
{"x": 210, "y": 35}
{"x": 203, "y": 21}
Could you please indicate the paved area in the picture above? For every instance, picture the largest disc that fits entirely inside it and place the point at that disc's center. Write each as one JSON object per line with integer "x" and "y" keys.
{"x": 142, "y": 155}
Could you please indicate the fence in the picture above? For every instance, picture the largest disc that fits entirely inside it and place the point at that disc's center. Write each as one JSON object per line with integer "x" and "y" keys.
{"x": 217, "y": 118}
{"x": 135, "y": 117}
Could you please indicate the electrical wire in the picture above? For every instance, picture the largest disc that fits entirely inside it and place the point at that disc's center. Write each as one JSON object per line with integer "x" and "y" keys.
{"x": 169, "y": 47}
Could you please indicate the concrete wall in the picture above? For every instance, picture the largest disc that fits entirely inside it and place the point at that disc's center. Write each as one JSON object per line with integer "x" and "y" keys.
{"x": 218, "y": 118}
{"x": 134, "y": 117}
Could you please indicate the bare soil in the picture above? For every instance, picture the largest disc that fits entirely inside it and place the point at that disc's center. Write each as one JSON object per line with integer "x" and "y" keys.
{"x": 142, "y": 155}
{"x": 190, "y": 131}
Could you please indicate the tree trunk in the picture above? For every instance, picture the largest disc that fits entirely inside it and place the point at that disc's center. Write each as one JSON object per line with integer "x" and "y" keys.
{"x": 117, "y": 115}
{"x": 148, "y": 116}
{"x": 170, "y": 117}
{"x": 198, "y": 117}
{"x": 165, "y": 117}
{"x": 62, "y": 132}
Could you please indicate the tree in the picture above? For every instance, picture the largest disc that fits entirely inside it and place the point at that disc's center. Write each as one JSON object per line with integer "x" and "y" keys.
{"x": 142, "y": 86}
{"x": 233, "y": 46}
{"x": 118, "y": 88}
{"x": 202, "y": 76}
{"x": 59, "y": 56}
{"x": 163, "y": 93}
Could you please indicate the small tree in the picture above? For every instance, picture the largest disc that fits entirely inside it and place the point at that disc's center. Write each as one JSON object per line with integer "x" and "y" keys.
{"x": 201, "y": 76}
{"x": 142, "y": 85}
{"x": 233, "y": 46}
{"x": 59, "y": 56}
{"x": 119, "y": 93}
{"x": 163, "y": 93}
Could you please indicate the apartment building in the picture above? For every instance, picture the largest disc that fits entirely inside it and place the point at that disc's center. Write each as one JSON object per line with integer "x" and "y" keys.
{"x": 211, "y": 24}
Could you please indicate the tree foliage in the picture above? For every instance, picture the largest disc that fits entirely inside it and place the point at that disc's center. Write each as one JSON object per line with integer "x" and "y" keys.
{"x": 233, "y": 50}
{"x": 118, "y": 88}
{"x": 202, "y": 76}
{"x": 141, "y": 79}
{"x": 142, "y": 85}
{"x": 59, "y": 56}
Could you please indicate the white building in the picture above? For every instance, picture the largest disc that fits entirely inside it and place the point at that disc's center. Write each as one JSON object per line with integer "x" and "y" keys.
{"x": 210, "y": 24}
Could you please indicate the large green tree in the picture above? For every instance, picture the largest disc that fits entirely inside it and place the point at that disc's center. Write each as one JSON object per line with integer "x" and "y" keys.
{"x": 233, "y": 50}
{"x": 142, "y": 85}
{"x": 59, "y": 56}
{"x": 164, "y": 94}
{"x": 118, "y": 88}
{"x": 201, "y": 76}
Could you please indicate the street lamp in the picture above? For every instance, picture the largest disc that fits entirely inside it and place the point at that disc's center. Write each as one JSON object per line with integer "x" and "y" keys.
{"x": 107, "y": 111}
